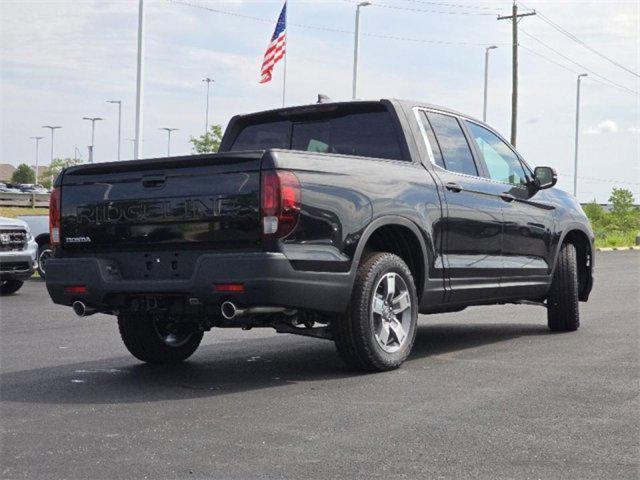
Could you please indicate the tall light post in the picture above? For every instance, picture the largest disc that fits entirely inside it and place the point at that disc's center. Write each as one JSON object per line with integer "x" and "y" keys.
{"x": 575, "y": 161}
{"x": 137, "y": 145}
{"x": 93, "y": 121}
{"x": 356, "y": 46}
{"x": 53, "y": 129}
{"x": 169, "y": 130}
{"x": 37, "y": 139}
{"x": 486, "y": 80}
{"x": 119, "y": 102}
{"x": 206, "y": 122}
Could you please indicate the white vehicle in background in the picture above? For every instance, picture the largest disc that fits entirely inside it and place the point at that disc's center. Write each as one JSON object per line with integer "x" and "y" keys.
{"x": 18, "y": 254}
{"x": 39, "y": 226}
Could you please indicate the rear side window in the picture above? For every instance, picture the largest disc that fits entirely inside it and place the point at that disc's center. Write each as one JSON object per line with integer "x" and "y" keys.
{"x": 453, "y": 144}
{"x": 367, "y": 134}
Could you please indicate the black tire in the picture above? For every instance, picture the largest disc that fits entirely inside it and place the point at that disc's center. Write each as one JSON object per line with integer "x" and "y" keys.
{"x": 44, "y": 252}
{"x": 562, "y": 302}
{"x": 354, "y": 333}
{"x": 8, "y": 287}
{"x": 141, "y": 335}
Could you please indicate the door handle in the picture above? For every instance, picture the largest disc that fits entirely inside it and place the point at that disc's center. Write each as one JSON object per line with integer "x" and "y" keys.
{"x": 153, "y": 182}
{"x": 507, "y": 197}
{"x": 453, "y": 187}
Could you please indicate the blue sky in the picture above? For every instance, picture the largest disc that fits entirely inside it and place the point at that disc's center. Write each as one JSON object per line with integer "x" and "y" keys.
{"x": 61, "y": 61}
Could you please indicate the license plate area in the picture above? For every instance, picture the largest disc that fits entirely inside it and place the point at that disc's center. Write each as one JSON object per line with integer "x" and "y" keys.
{"x": 158, "y": 265}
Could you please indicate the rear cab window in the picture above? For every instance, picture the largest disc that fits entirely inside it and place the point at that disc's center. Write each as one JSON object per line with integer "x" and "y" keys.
{"x": 367, "y": 130}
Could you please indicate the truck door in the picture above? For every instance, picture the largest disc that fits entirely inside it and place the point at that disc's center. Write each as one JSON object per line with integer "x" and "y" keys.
{"x": 472, "y": 245}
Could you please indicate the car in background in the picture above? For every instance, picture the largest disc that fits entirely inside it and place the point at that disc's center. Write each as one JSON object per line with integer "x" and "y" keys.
{"x": 8, "y": 188}
{"x": 39, "y": 226}
{"x": 18, "y": 254}
{"x": 31, "y": 188}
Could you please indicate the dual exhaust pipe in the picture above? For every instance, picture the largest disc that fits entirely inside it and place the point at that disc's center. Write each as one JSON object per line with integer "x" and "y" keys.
{"x": 81, "y": 309}
{"x": 229, "y": 310}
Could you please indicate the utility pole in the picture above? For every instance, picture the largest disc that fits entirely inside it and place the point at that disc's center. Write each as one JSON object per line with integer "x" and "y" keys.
{"x": 37, "y": 139}
{"x": 356, "y": 49}
{"x": 93, "y": 121}
{"x": 137, "y": 145}
{"x": 486, "y": 80}
{"x": 169, "y": 130}
{"x": 119, "y": 102}
{"x": 575, "y": 160}
{"x": 206, "y": 122}
{"x": 514, "y": 17}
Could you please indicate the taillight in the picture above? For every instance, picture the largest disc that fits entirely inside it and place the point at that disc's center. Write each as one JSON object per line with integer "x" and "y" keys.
{"x": 54, "y": 216}
{"x": 280, "y": 202}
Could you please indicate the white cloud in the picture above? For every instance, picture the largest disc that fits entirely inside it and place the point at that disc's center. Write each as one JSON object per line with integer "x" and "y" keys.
{"x": 605, "y": 126}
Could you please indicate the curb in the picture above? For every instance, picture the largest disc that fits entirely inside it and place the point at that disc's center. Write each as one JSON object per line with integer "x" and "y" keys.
{"x": 616, "y": 249}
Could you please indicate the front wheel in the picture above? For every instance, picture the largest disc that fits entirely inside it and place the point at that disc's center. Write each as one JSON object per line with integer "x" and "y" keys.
{"x": 562, "y": 302}
{"x": 378, "y": 331}
{"x": 156, "y": 340}
{"x": 45, "y": 252}
{"x": 7, "y": 287}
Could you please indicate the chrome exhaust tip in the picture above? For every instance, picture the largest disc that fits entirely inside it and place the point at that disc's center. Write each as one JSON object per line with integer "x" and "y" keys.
{"x": 229, "y": 310}
{"x": 81, "y": 310}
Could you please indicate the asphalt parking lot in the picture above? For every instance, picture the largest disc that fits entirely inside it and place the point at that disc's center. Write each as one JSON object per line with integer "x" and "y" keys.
{"x": 488, "y": 393}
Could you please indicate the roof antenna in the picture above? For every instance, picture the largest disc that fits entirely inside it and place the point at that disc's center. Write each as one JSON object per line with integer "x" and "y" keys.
{"x": 322, "y": 98}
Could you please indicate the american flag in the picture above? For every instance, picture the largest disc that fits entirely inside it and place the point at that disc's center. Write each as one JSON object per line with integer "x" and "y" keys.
{"x": 277, "y": 47}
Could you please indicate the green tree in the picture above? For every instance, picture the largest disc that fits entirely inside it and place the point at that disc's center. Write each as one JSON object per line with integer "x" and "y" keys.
{"x": 23, "y": 174}
{"x": 595, "y": 213}
{"x": 624, "y": 216}
{"x": 55, "y": 168}
{"x": 209, "y": 142}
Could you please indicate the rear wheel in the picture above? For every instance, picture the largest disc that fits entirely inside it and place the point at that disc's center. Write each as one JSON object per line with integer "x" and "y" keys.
{"x": 7, "y": 287}
{"x": 378, "y": 331}
{"x": 156, "y": 340}
{"x": 562, "y": 302}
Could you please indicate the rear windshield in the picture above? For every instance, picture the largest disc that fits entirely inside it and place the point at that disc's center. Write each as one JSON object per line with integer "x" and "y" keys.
{"x": 365, "y": 134}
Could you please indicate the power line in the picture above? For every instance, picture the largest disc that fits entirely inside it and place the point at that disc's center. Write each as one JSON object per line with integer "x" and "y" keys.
{"x": 570, "y": 35}
{"x": 327, "y": 29}
{"x": 603, "y": 180}
{"x": 622, "y": 87}
{"x": 453, "y": 5}
{"x": 410, "y": 9}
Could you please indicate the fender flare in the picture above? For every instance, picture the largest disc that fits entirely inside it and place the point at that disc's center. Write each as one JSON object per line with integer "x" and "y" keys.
{"x": 43, "y": 238}
{"x": 381, "y": 222}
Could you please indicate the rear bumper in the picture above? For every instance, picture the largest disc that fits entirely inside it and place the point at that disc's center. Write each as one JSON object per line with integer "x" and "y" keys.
{"x": 268, "y": 278}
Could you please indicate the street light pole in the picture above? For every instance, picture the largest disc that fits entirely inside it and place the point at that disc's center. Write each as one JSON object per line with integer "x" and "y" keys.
{"x": 119, "y": 102}
{"x": 137, "y": 145}
{"x": 169, "y": 130}
{"x": 206, "y": 122}
{"x": 486, "y": 80}
{"x": 93, "y": 121}
{"x": 37, "y": 139}
{"x": 52, "y": 128}
{"x": 575, "y": 160}
{"x": 356, "y": 47}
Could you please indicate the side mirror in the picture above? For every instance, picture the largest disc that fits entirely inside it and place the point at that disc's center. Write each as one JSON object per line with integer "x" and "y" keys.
{"x": 545, "y": 177}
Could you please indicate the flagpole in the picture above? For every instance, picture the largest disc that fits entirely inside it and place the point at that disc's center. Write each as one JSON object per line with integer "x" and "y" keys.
{"x": 286, "y": 54}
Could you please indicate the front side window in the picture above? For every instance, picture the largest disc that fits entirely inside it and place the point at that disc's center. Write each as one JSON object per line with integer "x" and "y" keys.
{"x": 502, "y": 163}
{"x": 453, "y": 144}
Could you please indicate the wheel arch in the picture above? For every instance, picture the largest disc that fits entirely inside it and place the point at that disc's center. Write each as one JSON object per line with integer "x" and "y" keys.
{"x": 582, "y": 239}
{"x": 400, "y": 236}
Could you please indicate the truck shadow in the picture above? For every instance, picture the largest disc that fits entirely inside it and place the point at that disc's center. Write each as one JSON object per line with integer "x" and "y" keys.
{"x": 230, "y": 367}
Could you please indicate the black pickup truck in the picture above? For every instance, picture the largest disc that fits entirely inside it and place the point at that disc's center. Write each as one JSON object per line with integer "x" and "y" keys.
{"x": 341, "y": 221}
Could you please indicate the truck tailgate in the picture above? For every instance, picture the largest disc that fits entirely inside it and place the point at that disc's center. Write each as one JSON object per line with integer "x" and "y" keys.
{"x": 209, "y": 201}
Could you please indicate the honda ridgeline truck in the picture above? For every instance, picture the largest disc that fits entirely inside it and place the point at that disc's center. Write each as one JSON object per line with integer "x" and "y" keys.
{"x": 340, "y": 221}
